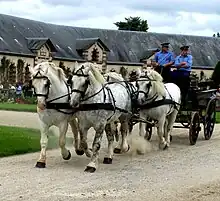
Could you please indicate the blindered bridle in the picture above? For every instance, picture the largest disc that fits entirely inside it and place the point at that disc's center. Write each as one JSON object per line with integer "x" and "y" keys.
{"x": 47, "y": 85}
{"x": 80, "y": 73}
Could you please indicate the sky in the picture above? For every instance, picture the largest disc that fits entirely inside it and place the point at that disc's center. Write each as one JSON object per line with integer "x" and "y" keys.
{"x": 191, "y": 17}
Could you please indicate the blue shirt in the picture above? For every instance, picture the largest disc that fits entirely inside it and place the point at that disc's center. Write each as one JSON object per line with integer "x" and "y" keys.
{"x": 187, "y": 59}
{"x": 163, "y": 58}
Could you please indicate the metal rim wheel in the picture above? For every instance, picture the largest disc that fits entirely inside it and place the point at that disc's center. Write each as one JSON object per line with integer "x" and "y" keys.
{"x": 148, "y": 133}
{"x": 194, "y": 128}
{"x": 210, "y": 118}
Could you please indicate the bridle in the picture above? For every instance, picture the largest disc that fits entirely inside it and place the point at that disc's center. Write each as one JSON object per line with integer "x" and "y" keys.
{"x": 80, "y": 73}
{"x": 146, "y": 93}
{"x": 47, "y": 85}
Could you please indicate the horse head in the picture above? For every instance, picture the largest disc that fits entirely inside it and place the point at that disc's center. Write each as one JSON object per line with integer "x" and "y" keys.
{"x": 85, "y": 76}
{"x": 42, "y": 76}
{"x": 150, "y": 86}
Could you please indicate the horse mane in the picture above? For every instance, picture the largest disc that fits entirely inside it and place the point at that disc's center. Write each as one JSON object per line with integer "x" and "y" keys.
{"x": 49, "y": 66}
{"x": 94, "y": 73}
{"x": 97, "y": 74}
{"x": 114, "y": 75}
{"x": 157, "y": 82}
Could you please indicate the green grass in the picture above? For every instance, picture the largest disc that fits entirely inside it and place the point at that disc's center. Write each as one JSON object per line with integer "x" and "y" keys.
{"x": 18, "y": 107}
{"x": 16, "y": 140}
{"x": 218, "y": 117}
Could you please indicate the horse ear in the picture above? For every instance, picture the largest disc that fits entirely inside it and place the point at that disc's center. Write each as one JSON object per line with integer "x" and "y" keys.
{"x": 31, "y": 69}
{"x": 75, "y": 66}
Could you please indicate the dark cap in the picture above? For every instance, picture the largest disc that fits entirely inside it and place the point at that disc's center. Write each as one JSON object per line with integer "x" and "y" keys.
{"x": 165, "y": 44}
{"x": 184, "y": 47}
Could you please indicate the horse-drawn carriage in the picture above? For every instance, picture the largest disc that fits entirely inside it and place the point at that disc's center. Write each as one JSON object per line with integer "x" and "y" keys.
{"x": 200, "y": 108}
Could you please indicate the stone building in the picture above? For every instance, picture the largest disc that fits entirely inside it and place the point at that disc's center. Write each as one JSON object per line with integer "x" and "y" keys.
{"x": 32, "y": 42}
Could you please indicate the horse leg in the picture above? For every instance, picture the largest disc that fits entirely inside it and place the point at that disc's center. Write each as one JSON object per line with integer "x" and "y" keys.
{"x": 160, "y": 133}
{"x": 74, "y": 126}
{"x": 124, "y": 130}
{"x": 171, "y": 121}
{"x": 142, "y": 129}
{"x": 110, "y": 137}
{"x": 41, "y": 163}
{"x": 83, "y": 131}
{"x": 92, "y": 166}
{"x": 62, "y": 141}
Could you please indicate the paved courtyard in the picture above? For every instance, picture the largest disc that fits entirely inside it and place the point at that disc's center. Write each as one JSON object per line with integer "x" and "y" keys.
{"x": 181, "y": 173}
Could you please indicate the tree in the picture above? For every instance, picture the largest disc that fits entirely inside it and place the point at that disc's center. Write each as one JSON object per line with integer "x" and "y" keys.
{"x": 12, "y": 73}
{"x": 123, "y": 71}
{"x": 216, "y": 35}
{"x": 5, "y": 63}
{"x": 20, "y": 70}
{"x": 133, "y": 24}
{"x": 66, "y": 70}
{"x": 215, "y": 75}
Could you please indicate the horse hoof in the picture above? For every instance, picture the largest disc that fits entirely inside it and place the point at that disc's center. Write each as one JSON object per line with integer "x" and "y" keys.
{"x": 90, "y": 169}
{"x": 40, "y": 165}
{"x": 79, "y": 152}
{"x": 68, "y": 157}
{"x": 128, "y": 148}
{"x": 107, "y": 161}
{"x": 166, "y": 147}
{"x": 117, "y": 151}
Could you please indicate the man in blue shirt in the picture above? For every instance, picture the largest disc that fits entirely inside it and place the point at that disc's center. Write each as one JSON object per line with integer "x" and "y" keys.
{"x": 164, "y": 60}
{"x": 183, "y": 63}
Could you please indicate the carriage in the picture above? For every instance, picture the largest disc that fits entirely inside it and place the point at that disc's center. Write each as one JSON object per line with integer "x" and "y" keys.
{"x": 200, "y": 109}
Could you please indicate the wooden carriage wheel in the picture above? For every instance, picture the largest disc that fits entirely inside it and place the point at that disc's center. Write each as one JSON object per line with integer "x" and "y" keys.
{"x": 210, "y": 118}
{"x": 194, "y": 128}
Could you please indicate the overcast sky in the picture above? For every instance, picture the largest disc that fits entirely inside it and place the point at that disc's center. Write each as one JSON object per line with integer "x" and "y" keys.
{"x": 194, "y": 17}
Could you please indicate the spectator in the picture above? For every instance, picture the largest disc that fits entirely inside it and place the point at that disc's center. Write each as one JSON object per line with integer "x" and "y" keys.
{"x": 18, "y": 90}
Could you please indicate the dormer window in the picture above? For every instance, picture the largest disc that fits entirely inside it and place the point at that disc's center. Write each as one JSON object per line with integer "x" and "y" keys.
{"x": 43, "y": 53}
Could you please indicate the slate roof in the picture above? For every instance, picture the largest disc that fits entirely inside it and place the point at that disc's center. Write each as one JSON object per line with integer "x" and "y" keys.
{"x": 85, "y": 43}
{"x": 37, "y": 43}
{"x": 147, "y": 54}
{"x": 125, "y": 46}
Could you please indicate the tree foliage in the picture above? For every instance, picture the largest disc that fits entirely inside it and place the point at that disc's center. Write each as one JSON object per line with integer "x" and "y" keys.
{"x": 216, "y": 75}
{"x": 66, "y": 70}
{"x": 123, "y": 72}
{"x": 133, "y": 24}
{"x": 216, "y": 35}
{"x": 20, "y": 70}
{"x": 5, "y": 63}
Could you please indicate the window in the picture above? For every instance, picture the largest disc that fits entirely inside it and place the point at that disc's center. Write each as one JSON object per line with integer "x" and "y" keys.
{"x": 95, "y": 55}
{"x": 43, "y": 53}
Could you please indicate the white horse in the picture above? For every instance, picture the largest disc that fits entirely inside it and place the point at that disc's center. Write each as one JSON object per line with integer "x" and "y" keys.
{"x": 49, "y": 83}
{"x": 100, "y": 105}
{"x": 160, "y": 102}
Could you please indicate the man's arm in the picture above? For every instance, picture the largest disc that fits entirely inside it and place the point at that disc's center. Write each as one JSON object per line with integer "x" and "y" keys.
{"x": 188, "y": 63}
{"x": 172, "y": 60}
{"x": 177, "y": 63}
{"x": 156, "y": 58}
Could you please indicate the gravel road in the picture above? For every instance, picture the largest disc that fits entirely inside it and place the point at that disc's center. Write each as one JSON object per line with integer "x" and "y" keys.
{"x": 182, "y": 173}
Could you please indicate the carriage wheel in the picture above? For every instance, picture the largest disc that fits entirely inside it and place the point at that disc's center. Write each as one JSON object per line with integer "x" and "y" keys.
{"x": 210, "y": 117}
{"x": 194, "y": 128}
{"x": 148, "y": 133}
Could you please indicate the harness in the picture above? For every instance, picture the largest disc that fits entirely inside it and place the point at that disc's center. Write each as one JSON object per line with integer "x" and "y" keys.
{"x": 110, "y": 106}
{"x": 153, "y": 102}
{"x": 50, "y": 104}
